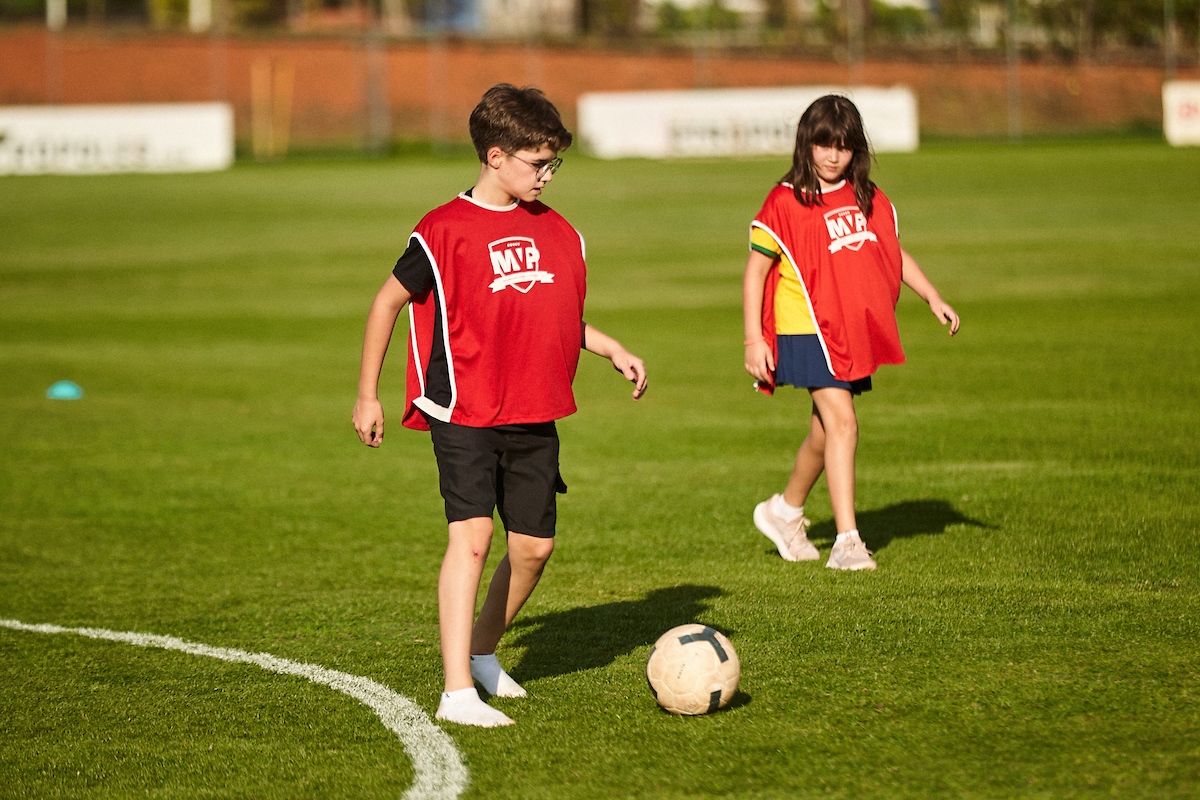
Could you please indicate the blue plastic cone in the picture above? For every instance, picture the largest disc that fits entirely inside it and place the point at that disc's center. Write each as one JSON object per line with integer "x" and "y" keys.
{"x": 64, "y": 390}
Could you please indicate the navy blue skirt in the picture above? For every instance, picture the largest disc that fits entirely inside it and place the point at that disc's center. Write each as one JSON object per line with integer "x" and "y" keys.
{"x": 801, "y": 363}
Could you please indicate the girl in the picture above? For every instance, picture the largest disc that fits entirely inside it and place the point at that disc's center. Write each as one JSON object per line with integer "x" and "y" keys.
{"x": 819, "y": 297}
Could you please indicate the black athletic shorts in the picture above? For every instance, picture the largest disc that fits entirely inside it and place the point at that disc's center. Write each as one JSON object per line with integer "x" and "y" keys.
{"x": 509, "y": 468}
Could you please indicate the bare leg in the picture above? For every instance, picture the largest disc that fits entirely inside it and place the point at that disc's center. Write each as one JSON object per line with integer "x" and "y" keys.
{"x": 515, "y": 578}
{"x": 836, "y": 410}
{"x": 458, "y": 588}
{"x": 810, "y": 462}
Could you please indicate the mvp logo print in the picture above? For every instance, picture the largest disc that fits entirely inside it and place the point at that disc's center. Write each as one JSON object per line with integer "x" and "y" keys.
{"x": 847, "y": 228}
{"x": 515, "y": 263}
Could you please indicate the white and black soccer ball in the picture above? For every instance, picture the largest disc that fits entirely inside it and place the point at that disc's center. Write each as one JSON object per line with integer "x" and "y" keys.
{"x": 693, "y": 669}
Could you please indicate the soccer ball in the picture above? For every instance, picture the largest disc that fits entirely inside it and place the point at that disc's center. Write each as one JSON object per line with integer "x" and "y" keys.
{"x": 693, "y": 669}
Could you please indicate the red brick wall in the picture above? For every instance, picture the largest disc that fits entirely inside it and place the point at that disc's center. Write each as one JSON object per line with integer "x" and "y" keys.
{"x": 331, "y": 76}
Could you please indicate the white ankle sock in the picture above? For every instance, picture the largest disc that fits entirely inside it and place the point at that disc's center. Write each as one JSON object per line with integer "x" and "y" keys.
{"x": 464, "y": 707}
{"x": 841, "y": 537}
{"x": 492, "y": 677}
{"x": 788, "y": 512}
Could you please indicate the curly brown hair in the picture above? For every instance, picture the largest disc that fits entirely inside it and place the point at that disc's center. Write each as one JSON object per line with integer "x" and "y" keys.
{"x": 516, "y": 119}
{"x": 831, "y": 121}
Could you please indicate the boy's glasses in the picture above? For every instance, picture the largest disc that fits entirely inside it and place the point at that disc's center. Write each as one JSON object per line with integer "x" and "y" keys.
{"x": 541, "y": 168}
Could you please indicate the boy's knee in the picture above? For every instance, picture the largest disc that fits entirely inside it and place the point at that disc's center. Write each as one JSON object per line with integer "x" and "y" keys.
{"x": 475, "y": 534}
{"x": 541, "y": 550}
{"x": 533, "y": 550}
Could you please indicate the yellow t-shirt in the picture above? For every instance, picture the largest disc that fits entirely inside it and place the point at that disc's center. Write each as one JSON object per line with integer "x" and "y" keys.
{"x": 791, "y": 305}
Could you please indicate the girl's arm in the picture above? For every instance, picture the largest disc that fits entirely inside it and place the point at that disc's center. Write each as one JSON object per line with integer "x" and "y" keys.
{"x": 381, "y": 319}
{"x": 760, "y": 362}
{"x": 598, "y": 342}
{"x": 915, "y": 279}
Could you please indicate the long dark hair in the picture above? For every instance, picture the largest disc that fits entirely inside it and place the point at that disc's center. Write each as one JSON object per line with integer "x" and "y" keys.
{"x": 831, "y": 121}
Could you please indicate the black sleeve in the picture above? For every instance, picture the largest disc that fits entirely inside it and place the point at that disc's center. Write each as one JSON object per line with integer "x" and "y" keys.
{"x": 413, "y": 270}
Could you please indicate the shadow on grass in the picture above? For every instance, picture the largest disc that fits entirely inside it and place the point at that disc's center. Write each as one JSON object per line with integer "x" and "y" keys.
{"x": 740, "y": 699}
{"x": 594, "y": 636}
{"x": 900, "y": 520}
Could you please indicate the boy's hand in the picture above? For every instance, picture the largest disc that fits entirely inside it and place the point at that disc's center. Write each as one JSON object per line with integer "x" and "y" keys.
{"x": 368, "y": 422}
{"x": 633, "y": 369}
{"x": 760, "y": 361}
{"x": 945, "y": 314}
{"x": 626, "y": 363}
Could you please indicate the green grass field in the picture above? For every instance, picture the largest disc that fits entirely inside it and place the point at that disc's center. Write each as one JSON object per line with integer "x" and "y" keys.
{"x": 1029, "y": 487}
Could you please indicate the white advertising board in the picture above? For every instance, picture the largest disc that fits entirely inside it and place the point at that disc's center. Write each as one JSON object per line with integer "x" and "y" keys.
{"x": 1181, "y": 112}
{"x": 732, "y": 122}
{"x": 166, "y": 137}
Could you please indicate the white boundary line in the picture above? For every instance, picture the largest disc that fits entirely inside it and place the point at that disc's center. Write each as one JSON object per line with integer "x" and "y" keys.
{"x": 439, "y": 770}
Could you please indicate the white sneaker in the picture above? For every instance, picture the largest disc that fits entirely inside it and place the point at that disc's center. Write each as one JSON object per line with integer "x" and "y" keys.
{"x": 492, "y": 677}
{"x": 850, "y": 553}
{"x": 790, "y": 536}
{"x": 464, "y": 707}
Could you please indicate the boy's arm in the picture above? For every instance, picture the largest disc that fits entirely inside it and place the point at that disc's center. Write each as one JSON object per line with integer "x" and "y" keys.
{"x": 915, "y": 279}
{"x": 598, "y": 342}
{"x": 381, "y": 319}
{"x": 760, "y": 362}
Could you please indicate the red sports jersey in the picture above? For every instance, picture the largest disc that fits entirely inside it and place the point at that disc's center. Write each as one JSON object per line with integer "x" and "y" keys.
{"x": 496, "y": 339}
{"x": 850, "y": 269}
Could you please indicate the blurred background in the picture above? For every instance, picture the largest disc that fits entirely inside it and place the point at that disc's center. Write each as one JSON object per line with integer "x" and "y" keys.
{"x": 382, "y": 75}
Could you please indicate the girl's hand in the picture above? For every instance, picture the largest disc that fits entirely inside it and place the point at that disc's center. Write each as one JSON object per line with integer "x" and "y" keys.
{"x": 945, "y": 314}
{"x": 760, "y": 361}
{"x": 915, "y": 279}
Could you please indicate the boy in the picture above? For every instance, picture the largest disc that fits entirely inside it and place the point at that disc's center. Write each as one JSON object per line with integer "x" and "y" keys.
{"x": 496, "y": 282}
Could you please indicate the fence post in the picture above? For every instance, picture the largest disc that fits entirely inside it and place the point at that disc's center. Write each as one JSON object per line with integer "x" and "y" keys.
{"x": 378, "y": 114}
{"x": 1169, "y": 31}
{"x": 200, "y": 14}
{"x": 56, "y": 14}
{"x": 855, "y": 39}
{"x": 1012, "y": 50}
